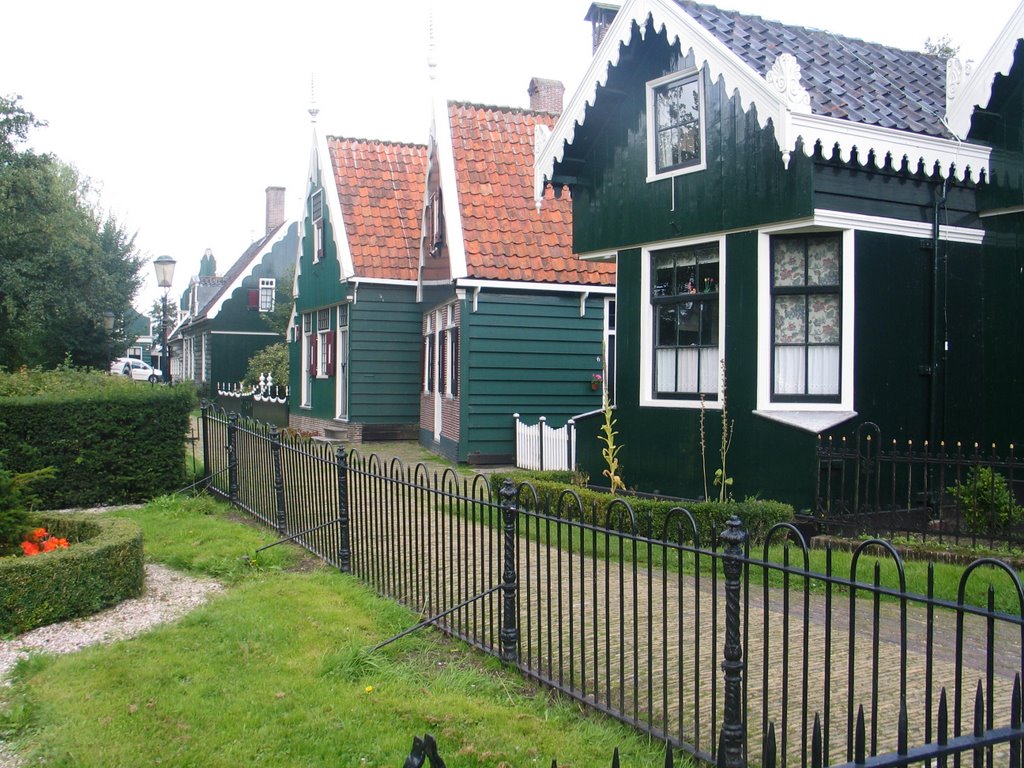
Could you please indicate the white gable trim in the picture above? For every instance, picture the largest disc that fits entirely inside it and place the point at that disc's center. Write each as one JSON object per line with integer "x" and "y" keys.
{"x": 454, "y": 234}
{"x": 227, "y": 292}
{"x": 966, "y": 91}
{"x": 339, "y": 231}
{"x": 519, "y": 285}
{"x": 779, "y": 97}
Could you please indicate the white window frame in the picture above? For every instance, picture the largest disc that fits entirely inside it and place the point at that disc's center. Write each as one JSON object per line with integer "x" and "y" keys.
{"x": 268, "y": 286}
{"x": 449, "y": 353}
{"x": 653, "y": 174}
{"x": 316, "y": 206}
{"x": 647, "y": 331}
{"x": 812, "y": 416}
{"x": 323, "y": 343}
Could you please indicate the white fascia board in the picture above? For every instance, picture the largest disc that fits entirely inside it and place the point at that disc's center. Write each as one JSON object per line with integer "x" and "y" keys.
{"x": 380, "y": 281}
{"x": 244, "y": 333}
{"x": 949, "y": 153}
{"x": 966, "y": 91}
{"x": 783, "y": 100}
{"x": 346, "y": 267}
{"x": 598, "y": 256}
{"x": 227, "y": 292}
{"x": 450, "y": 192}
{"x": 520, "y": 285}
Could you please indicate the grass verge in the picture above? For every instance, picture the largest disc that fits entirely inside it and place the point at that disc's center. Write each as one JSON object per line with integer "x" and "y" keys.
{"x": 275, "y": 672}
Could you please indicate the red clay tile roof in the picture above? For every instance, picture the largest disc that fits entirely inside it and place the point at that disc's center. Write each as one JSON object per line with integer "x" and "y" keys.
{"x": 380, "y": 185}
{"x": 506, "y": 237}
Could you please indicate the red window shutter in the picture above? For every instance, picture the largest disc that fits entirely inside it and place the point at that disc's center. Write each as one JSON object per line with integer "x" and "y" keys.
{"x": 332, "y": 342}
{"x": 254, "y": 299}
{"x": 312, "y": 356}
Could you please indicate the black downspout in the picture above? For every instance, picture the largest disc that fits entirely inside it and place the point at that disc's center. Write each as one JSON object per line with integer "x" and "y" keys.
{"x": 937, "y": 363}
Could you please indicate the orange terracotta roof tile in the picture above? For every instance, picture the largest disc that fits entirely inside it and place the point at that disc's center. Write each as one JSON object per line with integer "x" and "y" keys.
{"x": 506, "y": 237}
{"x": 380, "y": 185}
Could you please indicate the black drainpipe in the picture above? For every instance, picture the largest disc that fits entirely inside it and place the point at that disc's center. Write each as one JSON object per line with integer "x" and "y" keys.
{"x": 937, "y": 362}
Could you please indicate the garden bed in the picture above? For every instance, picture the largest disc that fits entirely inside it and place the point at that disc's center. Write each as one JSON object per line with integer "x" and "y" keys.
{"x": 102, "y": 566}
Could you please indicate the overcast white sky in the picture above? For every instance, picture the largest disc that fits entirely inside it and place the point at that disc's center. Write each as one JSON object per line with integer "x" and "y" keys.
{"x": 183, "y": 113}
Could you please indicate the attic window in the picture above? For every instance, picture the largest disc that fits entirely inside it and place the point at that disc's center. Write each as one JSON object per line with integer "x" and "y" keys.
{"x": 675, "y": 125}
{"x": 316, "y": 212}
{"x": 267, "y": 287}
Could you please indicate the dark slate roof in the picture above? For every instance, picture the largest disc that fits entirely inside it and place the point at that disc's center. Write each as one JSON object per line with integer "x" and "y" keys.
{"x": 846, "y": 78}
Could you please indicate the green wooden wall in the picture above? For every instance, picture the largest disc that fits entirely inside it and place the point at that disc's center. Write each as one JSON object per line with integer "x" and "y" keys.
{"x": 384, "y": 356}
{"x": 526, "y": 353}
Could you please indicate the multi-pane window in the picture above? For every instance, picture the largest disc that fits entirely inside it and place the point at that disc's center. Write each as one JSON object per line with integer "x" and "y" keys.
{"x": 325, "y": 364}
{"x": 428, "y": 355}
{"x": 267, "y": 288}
{"x": 450, "y": 354}
{"x": 676, "y": 130}
{"x": 806, "y": 301}
{"x": 316, "y": 211}
{"x": 686, "y": 303}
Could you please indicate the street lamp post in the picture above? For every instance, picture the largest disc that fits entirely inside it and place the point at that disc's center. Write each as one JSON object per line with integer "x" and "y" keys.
{"x": 108, "y": 329}
{"x": 164, "y": 266}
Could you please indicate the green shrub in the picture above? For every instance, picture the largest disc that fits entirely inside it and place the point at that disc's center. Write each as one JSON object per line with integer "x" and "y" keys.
{"x": 757, "y": 515}
{"x": 272, "y": 359}
{"x": 986, "y": 502}
{"x": 102, "y": 567}
{"x": 110, "y": 440}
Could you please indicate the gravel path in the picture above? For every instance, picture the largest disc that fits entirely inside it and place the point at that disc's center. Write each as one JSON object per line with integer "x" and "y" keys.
{"x": 168, "y": 595}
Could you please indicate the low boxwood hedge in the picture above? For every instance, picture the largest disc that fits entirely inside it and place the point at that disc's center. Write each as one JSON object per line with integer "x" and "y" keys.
{"x": 757, "y": 515}
{"x": 102, "y": 567}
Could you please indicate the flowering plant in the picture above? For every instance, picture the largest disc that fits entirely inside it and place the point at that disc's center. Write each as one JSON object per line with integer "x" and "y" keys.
{"x": 39, "y": 541}
{"x": 597, "y": 377}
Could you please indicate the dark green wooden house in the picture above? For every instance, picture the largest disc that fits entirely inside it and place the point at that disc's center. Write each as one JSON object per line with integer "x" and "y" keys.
{"x": 355, "y": 337}
{"x": 226, "y": 318}
{"x": 512, "y": 321}
{"x": 811, "y": 231}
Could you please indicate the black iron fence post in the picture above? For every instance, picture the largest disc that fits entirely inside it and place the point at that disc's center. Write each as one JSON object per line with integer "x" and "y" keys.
{"x": 510, "y": 577}
{"x": 732, "y": 735}
{"x": 275, "y": 453}
{"x": 232, "y": 449}
{"x": 207, "y": 469}
{"x": 345, "y": 543}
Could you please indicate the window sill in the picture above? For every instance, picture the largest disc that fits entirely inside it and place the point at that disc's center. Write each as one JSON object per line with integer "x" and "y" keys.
{"x": 809, "y": 421}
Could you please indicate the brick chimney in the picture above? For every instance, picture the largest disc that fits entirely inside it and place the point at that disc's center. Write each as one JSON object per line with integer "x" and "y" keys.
{"x": 275, "y": 208}
{"x": 600, "y": 16}
{"x": 546, "y": 95}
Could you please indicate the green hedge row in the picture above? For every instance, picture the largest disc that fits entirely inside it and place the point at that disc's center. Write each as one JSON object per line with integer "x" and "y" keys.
{"x": 102, "y": 567}
{"x": 757, "y": 515}
{"x": 112, "y": 441}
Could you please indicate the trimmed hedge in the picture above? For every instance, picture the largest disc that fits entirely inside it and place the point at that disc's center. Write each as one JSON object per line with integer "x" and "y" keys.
{"x": 102, "y": 567}
{"x": 111, "y": 440}
{"x": 757, "y": 515}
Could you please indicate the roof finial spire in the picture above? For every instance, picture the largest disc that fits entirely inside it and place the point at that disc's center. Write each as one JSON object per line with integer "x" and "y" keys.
{"x": 314, "y": 110}
{"x": 432, "y": 48}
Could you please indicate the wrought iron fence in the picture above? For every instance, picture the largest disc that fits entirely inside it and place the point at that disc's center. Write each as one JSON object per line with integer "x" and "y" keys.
{"x": 734, "y": 652}
{"x": 950, "y": 492}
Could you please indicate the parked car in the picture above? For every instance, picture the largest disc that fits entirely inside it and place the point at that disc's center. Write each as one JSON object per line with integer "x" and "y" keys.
{"x": 137, "y": 369}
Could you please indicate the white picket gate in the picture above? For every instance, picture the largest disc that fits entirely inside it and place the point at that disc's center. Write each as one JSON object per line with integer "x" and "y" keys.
{"x": 541, "y": 447}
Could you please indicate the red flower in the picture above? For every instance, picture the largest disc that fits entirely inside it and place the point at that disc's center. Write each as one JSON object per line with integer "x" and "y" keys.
{"x": 38, "y": 535}
{"x": 29, "y": 548}
{"x": 40, "y": 541}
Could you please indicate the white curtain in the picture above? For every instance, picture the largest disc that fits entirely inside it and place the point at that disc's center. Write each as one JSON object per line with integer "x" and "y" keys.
{"x": 819, "y": 369}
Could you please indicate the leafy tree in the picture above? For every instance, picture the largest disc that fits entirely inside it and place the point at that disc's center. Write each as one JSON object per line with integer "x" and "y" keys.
{"x": 62, "y": 263}
{"x": 943, "y": 48}
{"x": 279, "y": 319}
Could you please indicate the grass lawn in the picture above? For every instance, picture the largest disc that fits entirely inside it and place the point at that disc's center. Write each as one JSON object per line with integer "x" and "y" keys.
{"x": 275, "y": 671}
